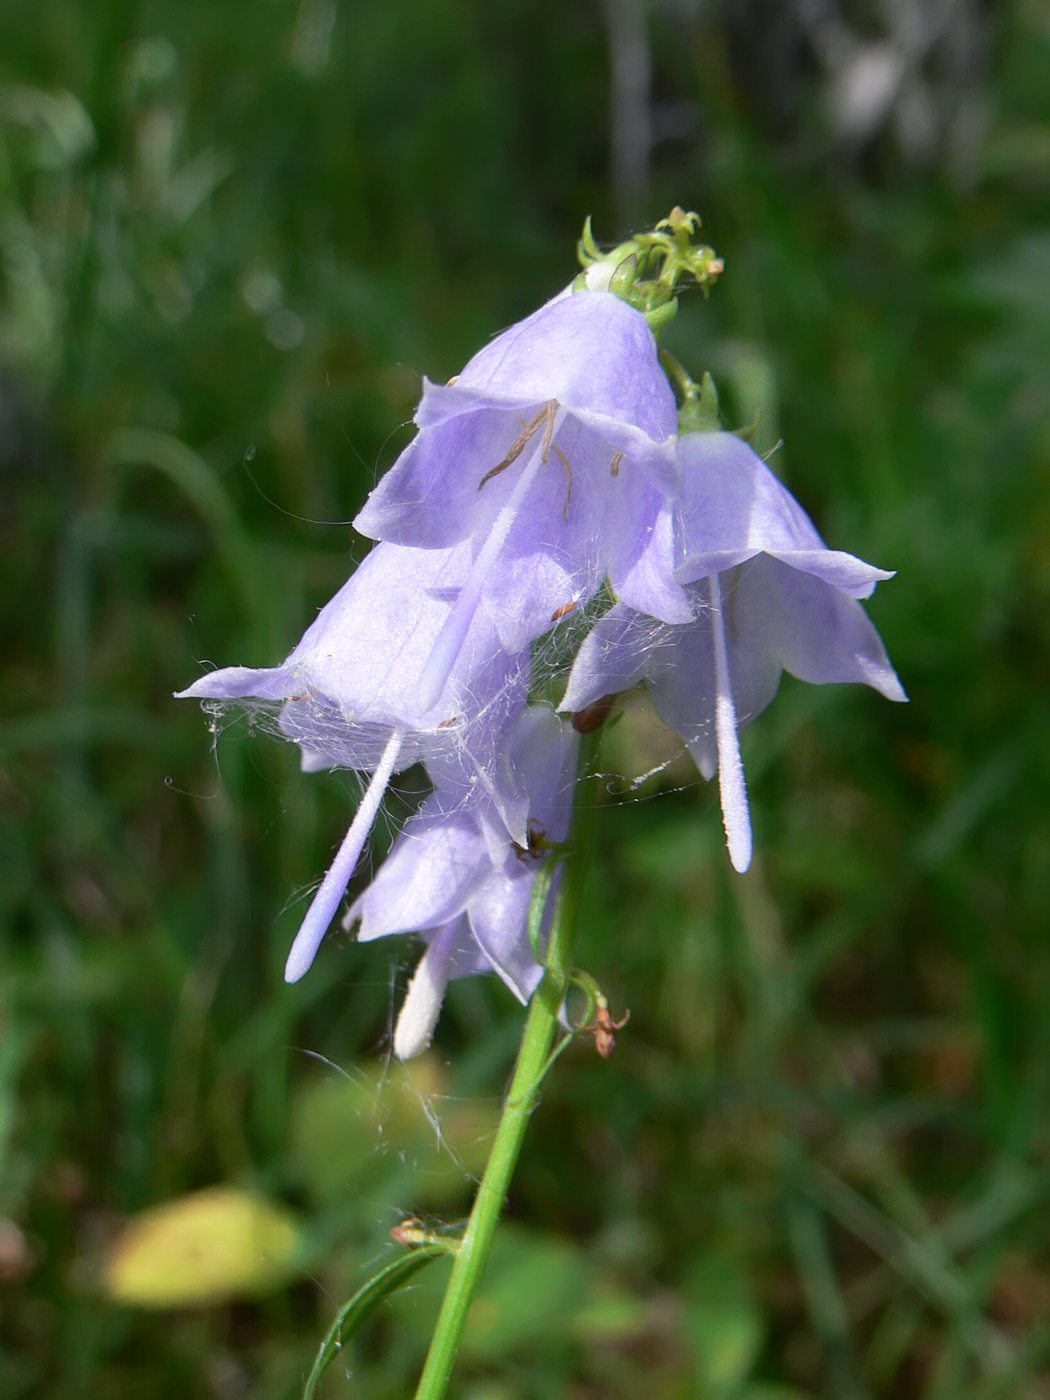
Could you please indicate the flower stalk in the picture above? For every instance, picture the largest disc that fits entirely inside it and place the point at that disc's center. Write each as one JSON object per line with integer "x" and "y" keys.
{"x": 534, "y": 1059}
{"x": 573, "y": 462}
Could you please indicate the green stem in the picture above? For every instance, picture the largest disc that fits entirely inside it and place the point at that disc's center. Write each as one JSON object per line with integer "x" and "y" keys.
{"x": 679, "y": 377}
{"x": 541, "y": 1026}
{"x": 698, "y": 411}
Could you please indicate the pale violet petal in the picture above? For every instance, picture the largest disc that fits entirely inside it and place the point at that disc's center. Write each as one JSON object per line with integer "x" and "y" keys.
{"x": 542, "y": 758}
{"x": 845, "y": 572}
{"x": 646, "y": 582}
{"x": 591, "y": 352}
{"x": 467, "y": 958}
{"x": 427, "y": 878}
{"x": 240, "y": 682}
{"x": 498, "y": 913}
{"x": 732, "y": 507}
{"x": 614, "y": 656}
{"x": 430, "y": 497}
{"x": 816, "y": 632}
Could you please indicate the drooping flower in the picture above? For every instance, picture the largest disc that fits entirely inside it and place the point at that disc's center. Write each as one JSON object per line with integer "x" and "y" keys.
{"x": 458, "y": 877}
{"x": 350, "y": 700}
{"x": 551, "y": 455}
{"x": 765, "y": 595}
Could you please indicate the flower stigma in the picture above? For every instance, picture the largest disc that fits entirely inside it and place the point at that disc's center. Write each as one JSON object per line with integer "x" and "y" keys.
{"x": 426, "y": 992}
{"x": 736, "y": 814}
{"x": 327, "y": 899}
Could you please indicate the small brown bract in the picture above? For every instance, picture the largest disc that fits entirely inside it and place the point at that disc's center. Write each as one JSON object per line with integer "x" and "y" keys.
{"x": 605, "y": 1029}
{"x": 538, "y": 846}
{"x": 592, "y": 717}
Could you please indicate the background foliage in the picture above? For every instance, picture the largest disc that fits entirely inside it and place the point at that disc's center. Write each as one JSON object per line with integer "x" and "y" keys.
{"x": 232, "y": 239}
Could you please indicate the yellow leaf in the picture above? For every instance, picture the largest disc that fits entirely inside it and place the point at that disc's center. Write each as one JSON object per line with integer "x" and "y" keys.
{"x": 205, "y": 1248}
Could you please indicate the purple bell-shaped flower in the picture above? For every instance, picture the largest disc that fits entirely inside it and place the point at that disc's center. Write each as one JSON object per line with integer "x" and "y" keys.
{"x": 350, "y": 699}
{"x": 550, "y": 456}
{"x": 460, "y": 878}
{"x": 764, "y": 595}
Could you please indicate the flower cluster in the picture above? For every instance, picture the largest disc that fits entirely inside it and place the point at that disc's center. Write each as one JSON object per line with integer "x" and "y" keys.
{"x": 548, "y": 474}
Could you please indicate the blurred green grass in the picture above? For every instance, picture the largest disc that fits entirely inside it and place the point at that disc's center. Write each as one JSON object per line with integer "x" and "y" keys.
{"x": 231, "y": 243}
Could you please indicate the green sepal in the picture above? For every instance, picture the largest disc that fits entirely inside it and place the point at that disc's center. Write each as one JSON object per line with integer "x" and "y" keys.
{"x": 660, "y": 317}
{"x": 699, "y": 413}
{"x": 579, "y": 282}
{"x": 708, "y": 412}
{"x": 354, "y": 1314}
{"x": 621, "y": 284}
{"x": 749, "y": 432}
{"x": 587, "y": 249}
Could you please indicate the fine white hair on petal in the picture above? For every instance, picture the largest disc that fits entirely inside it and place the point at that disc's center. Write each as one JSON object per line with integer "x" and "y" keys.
{"x": 353, "y": 677}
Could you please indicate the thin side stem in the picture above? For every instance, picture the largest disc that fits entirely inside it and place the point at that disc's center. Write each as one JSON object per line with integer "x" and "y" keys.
{"x": 679, "y": 377}
{"x": 541, "y": 1026}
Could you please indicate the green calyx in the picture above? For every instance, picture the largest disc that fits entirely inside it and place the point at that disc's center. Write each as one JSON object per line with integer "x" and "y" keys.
{"x": 646, "y": 270}
{"x": 698, "y": 403}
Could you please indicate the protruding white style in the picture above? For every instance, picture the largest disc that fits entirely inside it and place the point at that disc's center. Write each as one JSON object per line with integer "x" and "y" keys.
{"x": 327, "y": 899}
{"x": 451, "y": 637}
{"x": 736, "y": 815}
{"x": 426, "y": 991}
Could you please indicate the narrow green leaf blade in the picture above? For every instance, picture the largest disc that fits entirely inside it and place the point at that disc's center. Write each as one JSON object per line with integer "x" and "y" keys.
{"x": 354, "y": 1314}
